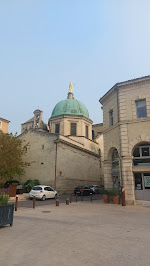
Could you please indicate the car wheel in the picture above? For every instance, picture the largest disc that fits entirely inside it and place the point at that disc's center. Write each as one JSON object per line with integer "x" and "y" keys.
{"x": 44, "y": 197}
{"x": 55, "y": 196}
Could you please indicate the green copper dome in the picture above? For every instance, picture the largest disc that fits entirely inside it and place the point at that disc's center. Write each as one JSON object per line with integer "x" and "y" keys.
{"x": 70, "y": 107}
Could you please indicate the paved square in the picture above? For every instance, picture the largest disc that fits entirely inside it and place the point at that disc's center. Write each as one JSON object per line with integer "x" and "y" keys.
{"x": 82, "y": 233}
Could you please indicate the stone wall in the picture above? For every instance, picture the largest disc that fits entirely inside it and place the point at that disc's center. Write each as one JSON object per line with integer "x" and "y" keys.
{"x": 60, "y": 163}
{"x": 76, "y": 167}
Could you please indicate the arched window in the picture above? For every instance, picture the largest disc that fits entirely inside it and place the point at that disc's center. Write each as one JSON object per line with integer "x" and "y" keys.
{"x": 141, "y": 154}
{"x": 115, "y": 161}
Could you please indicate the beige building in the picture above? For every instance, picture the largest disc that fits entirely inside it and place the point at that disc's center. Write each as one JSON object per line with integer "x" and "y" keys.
{"x": 4, "y": 124}
{"x": 63, "y": 154}
{"x": 97, "y": 130}
{"x": 126, "y": 133}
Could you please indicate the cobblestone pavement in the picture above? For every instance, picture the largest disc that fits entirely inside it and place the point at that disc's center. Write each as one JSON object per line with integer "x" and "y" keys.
{"x": 83, "y": 233}
{"x": 62, "y": 199}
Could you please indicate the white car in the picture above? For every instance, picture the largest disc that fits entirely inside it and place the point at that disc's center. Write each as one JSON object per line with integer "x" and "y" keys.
{"x": 43, "y": 192}
{"x": 95, "y": 189}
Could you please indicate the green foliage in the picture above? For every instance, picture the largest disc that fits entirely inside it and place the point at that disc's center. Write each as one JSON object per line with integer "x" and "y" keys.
{"x": 29, "y": 184}
{"x": 11, "y": 152}
{"x": 8, "y": 183}
{"x": 114, "y": 192}
{"x": 104, "y": 191}
{"x": 4, "y": 198}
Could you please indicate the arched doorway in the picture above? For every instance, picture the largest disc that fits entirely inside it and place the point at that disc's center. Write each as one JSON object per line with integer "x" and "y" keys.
{"x": 115, "y": 169}
{"x": 141, "y": 171}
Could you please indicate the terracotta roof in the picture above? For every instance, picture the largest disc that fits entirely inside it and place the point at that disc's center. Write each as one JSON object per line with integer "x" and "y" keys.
{"x": 4, "y": 119}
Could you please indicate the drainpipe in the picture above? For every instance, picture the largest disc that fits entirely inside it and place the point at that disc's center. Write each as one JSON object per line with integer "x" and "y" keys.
{"x": 55, "y": 166}
{"x": 121, "y": 183}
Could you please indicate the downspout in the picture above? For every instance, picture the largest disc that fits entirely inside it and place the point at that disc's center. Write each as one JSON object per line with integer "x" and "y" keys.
{"x": 118, "y": 110}
{"x": 55, "y": 166}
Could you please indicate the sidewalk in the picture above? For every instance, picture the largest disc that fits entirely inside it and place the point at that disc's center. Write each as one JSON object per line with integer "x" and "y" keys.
{"x": 21, "y": 197}
{"x": 81, "y": 233}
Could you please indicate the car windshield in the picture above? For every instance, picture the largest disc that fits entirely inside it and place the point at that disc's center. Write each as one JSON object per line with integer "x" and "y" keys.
{"x": 37, "y": 188}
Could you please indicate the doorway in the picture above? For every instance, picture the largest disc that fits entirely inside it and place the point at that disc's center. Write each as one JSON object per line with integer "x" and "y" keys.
{"x": 142, "y": 186}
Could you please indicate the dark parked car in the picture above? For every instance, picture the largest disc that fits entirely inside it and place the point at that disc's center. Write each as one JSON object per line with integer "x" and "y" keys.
{"x": 81, "y": 189}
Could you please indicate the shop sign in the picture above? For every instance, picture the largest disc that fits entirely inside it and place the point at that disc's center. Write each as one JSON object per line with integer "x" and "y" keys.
{"x": 147, "y": 181}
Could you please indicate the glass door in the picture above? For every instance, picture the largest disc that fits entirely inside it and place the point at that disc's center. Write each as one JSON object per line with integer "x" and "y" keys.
{"x": 142, "y": 186}
{"x": 138, "y": 182}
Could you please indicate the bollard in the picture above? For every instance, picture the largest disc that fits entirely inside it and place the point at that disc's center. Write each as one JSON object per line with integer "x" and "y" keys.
{"x": 123, "y": 196}
{"x": 34, "y": 202}
{"x": 70, "y": 197}
{"x": 82, "y": 196}
{"x": 76, "y": 197}
{"x": 57, "y": 202}
{"x": 91, "y": 196}
{"x": 16, "y": 204}
{"x": 67, "y": 201}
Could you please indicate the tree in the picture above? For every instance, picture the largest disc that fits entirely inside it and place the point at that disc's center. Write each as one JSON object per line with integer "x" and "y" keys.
{"x": 11, "y": 153}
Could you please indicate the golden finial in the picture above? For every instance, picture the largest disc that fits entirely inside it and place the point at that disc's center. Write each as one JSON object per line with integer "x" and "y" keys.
{"x": 70, "y": 87}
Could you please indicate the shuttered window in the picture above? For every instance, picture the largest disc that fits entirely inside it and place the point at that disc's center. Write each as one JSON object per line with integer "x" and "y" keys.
{"x": 57, "y": 126}
{"x": 111, "y": 118}
{"x": 73, "y": 129}
{"x": 87, "y": 131}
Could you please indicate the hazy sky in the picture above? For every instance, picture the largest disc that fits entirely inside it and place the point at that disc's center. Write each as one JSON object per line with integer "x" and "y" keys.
{"x": 46, "y": 44}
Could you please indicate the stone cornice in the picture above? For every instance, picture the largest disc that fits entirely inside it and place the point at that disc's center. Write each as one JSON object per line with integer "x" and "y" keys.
{"x": 70, "y": 117}
{"x": 125, "y": 122}
{"x": 77, "y": 147}
{"x": 124, "y": 84}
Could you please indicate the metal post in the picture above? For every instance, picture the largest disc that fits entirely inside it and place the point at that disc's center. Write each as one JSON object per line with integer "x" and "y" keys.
{"x": 76, "y": 197}
{"x": 82, "y": 196}
{"x": 70, "y": 197}
{"x": 91, "y": 196}
{"x": 57, "y": 202}
{"x": 67, "y": 201}
{"x": 16, "y": 204}
{"x": 34, "y": 202}
{"x": 123, "y": 196}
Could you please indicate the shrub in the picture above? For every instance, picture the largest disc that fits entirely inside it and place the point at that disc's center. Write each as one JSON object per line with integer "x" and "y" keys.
{"x": 29, "y": 184}
{"x": 104, "y": 191}
{"x": 8, "y": 183}
{"x": 4, "y": 198}
{"x": 114, "y": 192}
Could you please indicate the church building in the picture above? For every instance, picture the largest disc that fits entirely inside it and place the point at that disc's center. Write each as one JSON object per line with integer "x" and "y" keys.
{"x": 62, "y": 153}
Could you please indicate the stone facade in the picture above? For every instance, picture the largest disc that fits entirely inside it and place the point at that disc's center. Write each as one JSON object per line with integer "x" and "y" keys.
{"x": 61, "y": 162}
{"x": 65, "y": 122}
{"x": 125, "y": 129}
{"x": 97, "y": 130}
